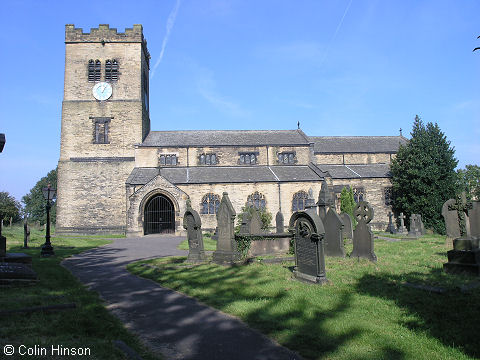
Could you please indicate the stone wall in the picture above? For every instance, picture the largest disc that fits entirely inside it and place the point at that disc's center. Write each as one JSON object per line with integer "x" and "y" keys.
{"x": 354, "y": 158}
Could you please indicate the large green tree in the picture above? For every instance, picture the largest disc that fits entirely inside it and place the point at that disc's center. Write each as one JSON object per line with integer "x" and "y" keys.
{"x": 35, "y": 202}
{"x": 423, "y": 175}
{"x": 9, "y": 207}
{"x": 469, "y": 181}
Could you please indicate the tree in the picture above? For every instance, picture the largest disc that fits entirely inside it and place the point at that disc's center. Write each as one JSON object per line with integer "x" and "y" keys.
{"x": 35, "y": 202}
{"x": 469, "y": 181}
{"x": 347, "y": 202}
{"x": 9, "y": 207}
{"x": 423, "y": 175}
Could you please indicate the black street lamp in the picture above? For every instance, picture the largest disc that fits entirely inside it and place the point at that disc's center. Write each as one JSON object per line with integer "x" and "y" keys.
{"x": 49, "y": 195}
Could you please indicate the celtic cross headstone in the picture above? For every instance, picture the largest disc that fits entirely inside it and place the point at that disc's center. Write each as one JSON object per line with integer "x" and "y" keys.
{"x": 193, "y": 224}
{"x": 362, "y": 235}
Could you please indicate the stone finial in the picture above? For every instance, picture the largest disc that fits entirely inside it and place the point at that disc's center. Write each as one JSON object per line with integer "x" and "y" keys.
{"x": 325, "y": 196}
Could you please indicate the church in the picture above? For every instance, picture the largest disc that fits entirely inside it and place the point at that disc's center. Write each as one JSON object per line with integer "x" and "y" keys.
{"x": 116, "y": 176}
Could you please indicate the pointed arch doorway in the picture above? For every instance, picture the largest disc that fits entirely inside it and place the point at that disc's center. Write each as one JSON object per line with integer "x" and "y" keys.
{"x": 159, "y": 216}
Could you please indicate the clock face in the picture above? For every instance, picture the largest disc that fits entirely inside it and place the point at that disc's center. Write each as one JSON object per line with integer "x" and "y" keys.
{"x": 102, "y": 91}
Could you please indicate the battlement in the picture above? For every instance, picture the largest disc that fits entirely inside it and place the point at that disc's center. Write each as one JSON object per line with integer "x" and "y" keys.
{"x": 104, "y": 34}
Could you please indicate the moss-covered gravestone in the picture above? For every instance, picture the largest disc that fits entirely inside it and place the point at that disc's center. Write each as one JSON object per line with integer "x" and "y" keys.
{"x": 363, "y": 236}
{"x": 193, "y": 224}
{"x": 227, "y": 252}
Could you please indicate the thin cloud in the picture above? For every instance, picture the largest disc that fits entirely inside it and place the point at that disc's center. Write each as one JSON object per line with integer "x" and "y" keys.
{"x": 170, "y": 23}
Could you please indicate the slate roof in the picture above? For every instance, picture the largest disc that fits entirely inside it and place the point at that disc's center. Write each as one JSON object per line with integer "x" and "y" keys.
{"x": 357, "y": 171}
{"x": 184, "y": 138}
{"x": 224, "y": 174}
{"x": 356, "y": 144}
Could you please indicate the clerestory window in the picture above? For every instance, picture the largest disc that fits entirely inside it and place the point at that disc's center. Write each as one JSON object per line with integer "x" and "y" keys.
{"x": 248, "y": 158}
{"x": 287, "y": 158}
{"x": 207, "y": 159}
{"x": 168, "y": 160}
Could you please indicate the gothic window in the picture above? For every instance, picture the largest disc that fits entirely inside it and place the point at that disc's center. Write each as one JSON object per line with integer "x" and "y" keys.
{"x": 256, "y": 200}
{"x": 210, "y": 204}
{"x": 358, "y": 194}
{"x": 94, "y": 67}
{"x": 298, "y": 201}
{"x": 168, "y": 160}
{"x": 208, "y": 159}
{"x": 100, "y": 132}
{"x": 286, "y": 158}
{"x": 388, "y": 195}
{"x": 248, "y": 158}
{"x": 111, "y": 70}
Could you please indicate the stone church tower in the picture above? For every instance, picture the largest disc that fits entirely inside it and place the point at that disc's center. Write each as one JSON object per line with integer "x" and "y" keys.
{"x": 104, "y": 114}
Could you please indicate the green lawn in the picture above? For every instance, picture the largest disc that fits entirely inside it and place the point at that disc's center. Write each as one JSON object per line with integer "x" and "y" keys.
{"x": 90, "y": 325}
{"x": 363, "y": 313}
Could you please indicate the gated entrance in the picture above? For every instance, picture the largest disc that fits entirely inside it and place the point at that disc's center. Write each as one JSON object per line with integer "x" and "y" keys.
{"x": 159, "y": 216}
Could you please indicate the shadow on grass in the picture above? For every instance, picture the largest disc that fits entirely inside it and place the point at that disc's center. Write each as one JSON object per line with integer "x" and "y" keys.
{"x": 292, "y": 321}
{"x": 451, "y": 317}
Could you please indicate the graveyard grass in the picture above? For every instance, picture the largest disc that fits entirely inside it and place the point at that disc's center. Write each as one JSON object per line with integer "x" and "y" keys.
{"x": 209, "y": 244}
{"x": 365, "y": 312}
{"x": 89, "y": 325}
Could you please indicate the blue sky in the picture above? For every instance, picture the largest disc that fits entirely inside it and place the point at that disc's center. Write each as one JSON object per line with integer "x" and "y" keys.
{"x": 345, "y": 67}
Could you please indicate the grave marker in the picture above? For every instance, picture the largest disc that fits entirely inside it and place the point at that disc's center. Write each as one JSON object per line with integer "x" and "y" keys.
{"x": 26, "y": 233}
{"x": 347, "y": 226}
{"x": 255, "y": 225}
{"x": 391, "y": 226}
{"x": 333, "y": 234}
{"x": 193, "y": 224}
{"x": 363, "y": 236}
{"x": 402, "y": 229}
{"x": 279, "y": 222}
{"x": 226, "y": 252}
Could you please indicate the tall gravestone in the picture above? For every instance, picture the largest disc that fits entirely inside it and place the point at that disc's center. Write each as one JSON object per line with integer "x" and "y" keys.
{"x": 3, "y": 241}
{"x": 325, "y": 200}
{"x": 26, "y": 233}
{"x": 391, "y": 226}
{"x": 474, "y": 216}
{"x": 450, "y": 216}
{"x": 193, "y": 224}
{"x": 347, "y": 226}
{"x": 402, "y": 229}
{"x": 279, "y": 222}
{"x": 333, "y": 225}
{"x": 414, "y": 232}
{"x": 255, "y": 226}
{"x": 227, "y": 252}
{"x": 308, "y": 232}
{"x": 421, "y": 227}
{"x": 363, "y": 236}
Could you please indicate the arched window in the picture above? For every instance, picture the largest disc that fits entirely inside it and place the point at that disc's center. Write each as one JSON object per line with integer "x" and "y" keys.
{"x": 358, "y": 194}
{"x": 298, "y": 201}
{"x": 256, "y": 200}
{"x": 111, "y": 70}
{"x": 94, "y": 70}
{"x": 210, "y": 204}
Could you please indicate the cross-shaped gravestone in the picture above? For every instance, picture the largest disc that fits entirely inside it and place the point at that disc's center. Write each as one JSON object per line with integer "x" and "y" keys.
{"x": 363, "y": 236}
{"x": 193, "y": 224}
{"x": 391, "y": 226}
{"x": 227, "y": 252}
{"x": 402, "y": 229}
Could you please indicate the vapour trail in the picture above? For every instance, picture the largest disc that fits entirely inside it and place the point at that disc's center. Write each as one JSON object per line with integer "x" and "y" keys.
{"x": 170, "y": 23}
{"x": 335, "y": 33}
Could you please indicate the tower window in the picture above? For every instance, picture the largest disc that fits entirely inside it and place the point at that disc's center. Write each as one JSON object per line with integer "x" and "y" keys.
{"x": 208, "y": 159}
{"x": 100, "y": 131}
{"x": 168, "y": 160}
{"x": 111, "y": 70}
{"x": 94, "y": 67}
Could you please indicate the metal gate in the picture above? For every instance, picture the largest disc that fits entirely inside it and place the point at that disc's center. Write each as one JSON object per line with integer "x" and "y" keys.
{"x": 159, "y": 216}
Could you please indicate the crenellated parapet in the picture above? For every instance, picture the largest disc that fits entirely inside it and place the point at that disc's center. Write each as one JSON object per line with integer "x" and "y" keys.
{"x": 104, "y": 33}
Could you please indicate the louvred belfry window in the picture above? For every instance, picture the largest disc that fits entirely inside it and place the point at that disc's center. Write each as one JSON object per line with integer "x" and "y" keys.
{"x": 111, "y": 70}
{"x": 94, "y": 67}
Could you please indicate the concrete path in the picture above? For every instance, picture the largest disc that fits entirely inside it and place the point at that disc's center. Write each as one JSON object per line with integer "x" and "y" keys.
{"x": 174, "y": 324}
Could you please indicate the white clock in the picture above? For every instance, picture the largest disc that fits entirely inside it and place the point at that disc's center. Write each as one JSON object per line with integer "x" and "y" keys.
{"x": 102, "y": 91}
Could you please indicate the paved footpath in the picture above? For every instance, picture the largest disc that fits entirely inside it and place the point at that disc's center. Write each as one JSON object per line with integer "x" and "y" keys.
{"x": 174, "y": 324}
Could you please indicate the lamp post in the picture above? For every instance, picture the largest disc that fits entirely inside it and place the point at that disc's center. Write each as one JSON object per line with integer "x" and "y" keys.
{"x": 49, "y": 195}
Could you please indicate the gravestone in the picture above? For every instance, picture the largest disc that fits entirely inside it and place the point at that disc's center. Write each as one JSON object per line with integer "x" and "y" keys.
{"x": 414, "y": 227}
{"x": 391, "y": 226}
{"x": 347, "y": 226}
{"x": 333, "y": 234}
{"x": 26, "y": 233}
{"x": 402, "y": 229}
{"x": 363, "y": 236}
{"x": 245, "y": 225}
{"x": 12, "y": 273}
{"x": 421, "y": 227}
{"x": 3, "y": 241}
{"x": 226, "y": 252}
{"x": 193, "y": 224}
{"x": 280, "y": 227}
{"x": 450, "y": 216}
{"x": 325, "y": 200}
{"x": 215, "y": 234}
{"x": 255, "y": 225}
{"x": 474, "y": 216}
{"x": 308, "y": 232}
